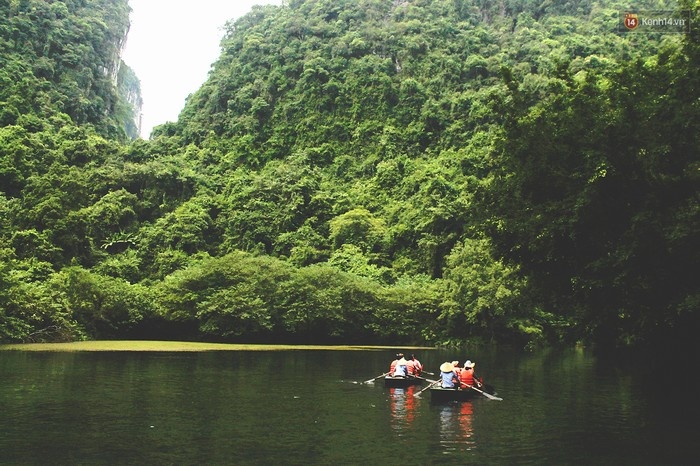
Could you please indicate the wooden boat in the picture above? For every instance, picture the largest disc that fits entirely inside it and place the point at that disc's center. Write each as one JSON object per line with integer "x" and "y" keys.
{"x": 442, "y": 395}
{"x": 401, "y": 382}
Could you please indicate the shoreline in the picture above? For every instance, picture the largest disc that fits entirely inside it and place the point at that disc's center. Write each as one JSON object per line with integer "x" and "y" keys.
{"x": 183, "y": 346}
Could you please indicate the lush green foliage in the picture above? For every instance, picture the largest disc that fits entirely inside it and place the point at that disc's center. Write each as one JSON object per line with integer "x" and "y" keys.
{"x": 63, "y": 57}
{"x": 355, "y": 171}
{"x": 611, "y": 237}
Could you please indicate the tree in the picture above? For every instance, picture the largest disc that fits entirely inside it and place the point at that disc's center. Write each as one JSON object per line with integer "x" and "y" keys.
{"x": 104, "y": 307}
{"x": 359, "y": 228}
{"x": 484, "y": 295}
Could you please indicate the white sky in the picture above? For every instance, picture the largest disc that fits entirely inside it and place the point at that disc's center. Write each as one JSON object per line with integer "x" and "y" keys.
{"x": 171, "y": 46}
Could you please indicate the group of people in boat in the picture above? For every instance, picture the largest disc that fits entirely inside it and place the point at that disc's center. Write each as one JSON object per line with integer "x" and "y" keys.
{"x": 454, "y": 376}
{"x": 405, "y": 367}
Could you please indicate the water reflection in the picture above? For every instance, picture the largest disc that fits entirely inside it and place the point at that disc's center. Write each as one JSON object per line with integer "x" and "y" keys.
{"x": 210, "y": 408}
{"x": 403, "y": 408}
{"x": 456, "y": 426}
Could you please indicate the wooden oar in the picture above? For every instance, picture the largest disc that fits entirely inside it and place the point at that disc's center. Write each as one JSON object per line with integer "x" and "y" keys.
{"x": 372, "y": 380}
{"x": 487, "y": 395}
{"x": 417, "y": 395}
{"x": 422, "y": 378}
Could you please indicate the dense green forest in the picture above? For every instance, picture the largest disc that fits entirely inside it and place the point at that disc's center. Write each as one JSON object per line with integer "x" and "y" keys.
{"x": 356, "y": 171}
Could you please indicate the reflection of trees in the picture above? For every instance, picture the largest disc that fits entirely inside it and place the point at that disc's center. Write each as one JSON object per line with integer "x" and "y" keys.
{"x": 403, "y": 407}
{"x": 456, "y": 426}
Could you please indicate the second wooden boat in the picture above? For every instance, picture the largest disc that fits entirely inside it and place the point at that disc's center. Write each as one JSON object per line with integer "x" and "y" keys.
{"x": 400, "y": 382}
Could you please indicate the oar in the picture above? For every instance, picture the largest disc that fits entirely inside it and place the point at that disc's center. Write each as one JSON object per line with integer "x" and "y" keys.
{"x": 372, "y": 380}
{"x": 422, "y": 378}
{"x": 417, "y": 395}
{"x": 487, "y": 395}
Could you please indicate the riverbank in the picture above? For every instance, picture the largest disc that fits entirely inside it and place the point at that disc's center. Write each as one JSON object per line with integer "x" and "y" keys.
{"x": 148, "y": 345}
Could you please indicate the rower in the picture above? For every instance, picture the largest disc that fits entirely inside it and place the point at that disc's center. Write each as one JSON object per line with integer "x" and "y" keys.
{"x": 418, "y": 367}
{"x": 466, "y": 376}
{"x": 410, "y": 367}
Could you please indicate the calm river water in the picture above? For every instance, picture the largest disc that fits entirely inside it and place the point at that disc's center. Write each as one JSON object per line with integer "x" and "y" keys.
{"x": 310, "y": 408}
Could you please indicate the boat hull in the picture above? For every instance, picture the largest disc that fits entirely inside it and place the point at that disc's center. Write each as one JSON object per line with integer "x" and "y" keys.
{"x": 443, "y": 395}
{"x": 401, "y": 382}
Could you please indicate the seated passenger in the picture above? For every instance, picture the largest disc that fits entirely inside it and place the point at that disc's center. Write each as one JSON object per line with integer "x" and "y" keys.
{"x": 448, "y": 377}
{"x": 458, "y": 370}
{"x": 467, "y": 374}
{"x": 392, "y": 367}
{"x": 411, "y": 367}
{"x": 400, "y": 370}
{"x": 466, "y": 377}
{"x": 418, "y": 366}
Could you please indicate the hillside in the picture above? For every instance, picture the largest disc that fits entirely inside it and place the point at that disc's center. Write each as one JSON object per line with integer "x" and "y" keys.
{"x": 381, "y": 171}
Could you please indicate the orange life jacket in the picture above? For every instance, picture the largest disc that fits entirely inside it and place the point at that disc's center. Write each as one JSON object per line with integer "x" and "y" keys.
{"x": 410, "y": 367}
{"x": 466, "y": 376}
{"x": 418, "y": 366}
{"x": 392, "y": 367}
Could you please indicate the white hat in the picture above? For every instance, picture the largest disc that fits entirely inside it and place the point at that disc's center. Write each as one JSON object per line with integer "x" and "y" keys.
{"x": 468, "y": 363}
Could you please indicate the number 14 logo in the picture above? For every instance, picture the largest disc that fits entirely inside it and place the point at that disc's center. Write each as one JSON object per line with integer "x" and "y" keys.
{"x": 631, "y": 21}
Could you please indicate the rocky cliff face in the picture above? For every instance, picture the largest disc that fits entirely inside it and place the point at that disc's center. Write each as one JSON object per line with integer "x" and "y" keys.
{"x": 129, "y": 88}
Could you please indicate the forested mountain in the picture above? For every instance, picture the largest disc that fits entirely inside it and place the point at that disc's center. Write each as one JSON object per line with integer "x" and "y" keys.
{"x": 63, "y": 57}
{"x": 363, "y": 171}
